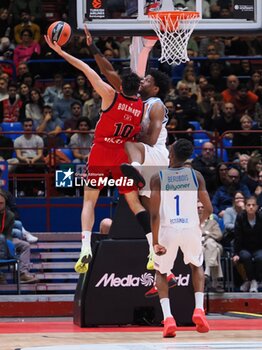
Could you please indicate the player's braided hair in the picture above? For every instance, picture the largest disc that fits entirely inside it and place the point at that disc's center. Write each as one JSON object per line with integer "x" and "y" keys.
{"x": 162, "y": 81}
{"x": 183, "y": 149}
{"x": 130, "y": 84}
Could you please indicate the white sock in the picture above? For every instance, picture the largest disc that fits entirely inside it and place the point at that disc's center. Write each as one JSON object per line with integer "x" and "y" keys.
{"x": 199, "y": 300}
{"x": 165, "y": 305}
{"x": 149, "y": 238}
{"x": 86, "y": 240}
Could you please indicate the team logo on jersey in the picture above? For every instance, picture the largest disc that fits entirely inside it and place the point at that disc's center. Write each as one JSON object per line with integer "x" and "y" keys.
{"x": 64, "y": 178}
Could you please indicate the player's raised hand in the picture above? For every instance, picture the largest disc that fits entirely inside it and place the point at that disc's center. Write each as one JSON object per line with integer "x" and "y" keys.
{"x": 159, "y": 249}
{"x": 89, "y": 39}
{"x": 53, "y": 45}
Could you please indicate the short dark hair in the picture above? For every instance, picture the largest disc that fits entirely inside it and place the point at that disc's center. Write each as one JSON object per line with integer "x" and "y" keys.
{"x": 162, "y": 81}
{"x": 130, "y": 84}
{"x": 83, "y": 119}
{"x": 78, "y": 103}
{"x": 26, "y": 120}
{"x": 29, "y": 31}
{"x": 183, "y": 149}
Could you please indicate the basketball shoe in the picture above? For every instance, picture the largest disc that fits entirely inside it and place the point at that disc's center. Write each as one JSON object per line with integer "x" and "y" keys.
{"x": 169, "y": 328}
{"x": 132, "y": 173}
{"x": 200, "y": 321}
{"x": 172, "y": 282}
{"x": 82, "y": 263}
{"x": 150, "y": 263}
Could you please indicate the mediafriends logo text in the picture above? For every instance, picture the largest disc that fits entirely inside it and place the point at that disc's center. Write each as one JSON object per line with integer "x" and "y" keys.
{"x": 70, "y": 179}
{"x": 110, "y": 280}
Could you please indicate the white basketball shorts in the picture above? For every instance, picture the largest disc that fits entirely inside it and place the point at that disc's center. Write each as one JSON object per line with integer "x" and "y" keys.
{"x": 187, "y": 239}
{"x": 156, "y": 159}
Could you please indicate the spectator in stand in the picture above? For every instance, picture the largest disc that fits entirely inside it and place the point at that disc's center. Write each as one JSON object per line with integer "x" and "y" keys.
{"x": 28, "y": 79}
{"x": 29, "y": 151}
{"x": 245, "y": 101}
{"x": 62, "y": 106}
{"x": 212, "y": 250}
{"x": 229, "y": 218}
{"x": 258, "y": 190}
{"x": 21, "y": 69}
{"x": 170, "y": 105}
{"x": 92, "y": 109}
{"x": 52, "y": 93}
{"x": 3, "y": 89}
{"x": 81, "y": 141}
{"x": 26, "y": 24}
{"x": 25, "y": 51}
{"x": 6, "y": 50}
{"x": 18, "y": 229}
{"x": 5, "y": 27}
{"x": 34, "y": 109}
{"x": 33, "y": 6}
{"x": 52, "y": 126}
{"x": 211, "y": 42}
{"x": 76, "y": 113}
{"x": 10, "y": 108}
{"x": 6, "y": 151}
{"x": 105, "y": 43}
{"x": 224, "y": 195}
{"x": 215, "y": 73}
{"x": 243, "y": 160}
{"x": 179, "y": 125}
{"x": 21, "y": 246}
{"x": 189, "y": 78}
{"x": 228, "y": 120}
{"x": 244, "y": 69}
{"x": 81, "y": 88}
{"x": 221, "y": 174}
{"x": 209, "y": 107}
{"x": 239, "y": 46}
{"x": 239, "y": 95}
{"x": 248, "y": 244}
{"x": 186, "y": 106}
{"x": 206, "y": 163}
{"x": 247, "y": 140}
{"x": 250, "y": 179}
{"x": 255, "y": 83}
{"x": 24, "y": 93}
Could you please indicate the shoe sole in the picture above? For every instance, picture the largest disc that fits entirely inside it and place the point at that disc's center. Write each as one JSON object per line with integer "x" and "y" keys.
{"x": 150, "y": 266}
{"x": 152, "y": 295}
{"x": 130, "y": 172}
{"x": 172, "y": 283}
{"x": 170, "y": 332}
{"x": 201, "y": 324}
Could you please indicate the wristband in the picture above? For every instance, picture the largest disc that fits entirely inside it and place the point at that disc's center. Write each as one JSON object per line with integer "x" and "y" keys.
{"x": 94, "y": 49}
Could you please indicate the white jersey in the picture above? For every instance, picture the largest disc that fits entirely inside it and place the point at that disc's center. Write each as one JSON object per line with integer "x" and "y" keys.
{"x": 179, "y": 195}
{"x": 148, "y": 104}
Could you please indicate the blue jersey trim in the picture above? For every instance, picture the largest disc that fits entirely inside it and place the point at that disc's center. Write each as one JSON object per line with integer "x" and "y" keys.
{"x": 194, "y": 178}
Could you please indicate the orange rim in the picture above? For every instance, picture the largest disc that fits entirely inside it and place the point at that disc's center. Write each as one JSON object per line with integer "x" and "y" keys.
{"x": 174, "y": 16}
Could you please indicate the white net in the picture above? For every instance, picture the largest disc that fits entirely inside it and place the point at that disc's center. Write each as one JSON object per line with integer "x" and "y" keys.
{"x": 173, "y": 33}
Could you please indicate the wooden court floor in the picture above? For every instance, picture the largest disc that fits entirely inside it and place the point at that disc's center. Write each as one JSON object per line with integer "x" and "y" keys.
{"x": 63, "y": 335}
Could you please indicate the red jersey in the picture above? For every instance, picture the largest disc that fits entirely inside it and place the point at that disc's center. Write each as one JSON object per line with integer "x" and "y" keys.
{"x": 120, "y": 122}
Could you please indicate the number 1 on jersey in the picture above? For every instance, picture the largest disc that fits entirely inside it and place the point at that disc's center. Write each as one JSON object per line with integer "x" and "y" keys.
{"x": 177, "y": 205}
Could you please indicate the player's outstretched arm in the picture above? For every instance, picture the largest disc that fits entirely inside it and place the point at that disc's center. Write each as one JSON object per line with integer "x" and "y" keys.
{"x": 102, "y": 88}
{"x": 154, "y": 213}
{"x": 104, "y": 65}
{"x": 203, "y": 196}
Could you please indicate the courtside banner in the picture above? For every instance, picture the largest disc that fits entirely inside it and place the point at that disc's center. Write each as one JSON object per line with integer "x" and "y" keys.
{"x": 114, "y": 289}
{"x": 96, "y": 9}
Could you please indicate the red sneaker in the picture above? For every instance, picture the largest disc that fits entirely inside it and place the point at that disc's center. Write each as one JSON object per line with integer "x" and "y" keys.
{"x": 151, "y": 292}
{"x": 169, "y": 328}
{"x": 200, "y": 321}
{"x": 171, "y": 279}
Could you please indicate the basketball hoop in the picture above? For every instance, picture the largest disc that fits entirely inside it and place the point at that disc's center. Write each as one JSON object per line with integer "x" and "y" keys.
{"x": 173, "y": 29}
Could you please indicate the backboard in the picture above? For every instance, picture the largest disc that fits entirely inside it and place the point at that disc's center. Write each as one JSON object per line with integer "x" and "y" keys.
{"x": 128, "y": 17}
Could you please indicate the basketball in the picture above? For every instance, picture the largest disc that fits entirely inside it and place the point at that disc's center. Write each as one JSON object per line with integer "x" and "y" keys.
{"x": 60, "y": 32}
